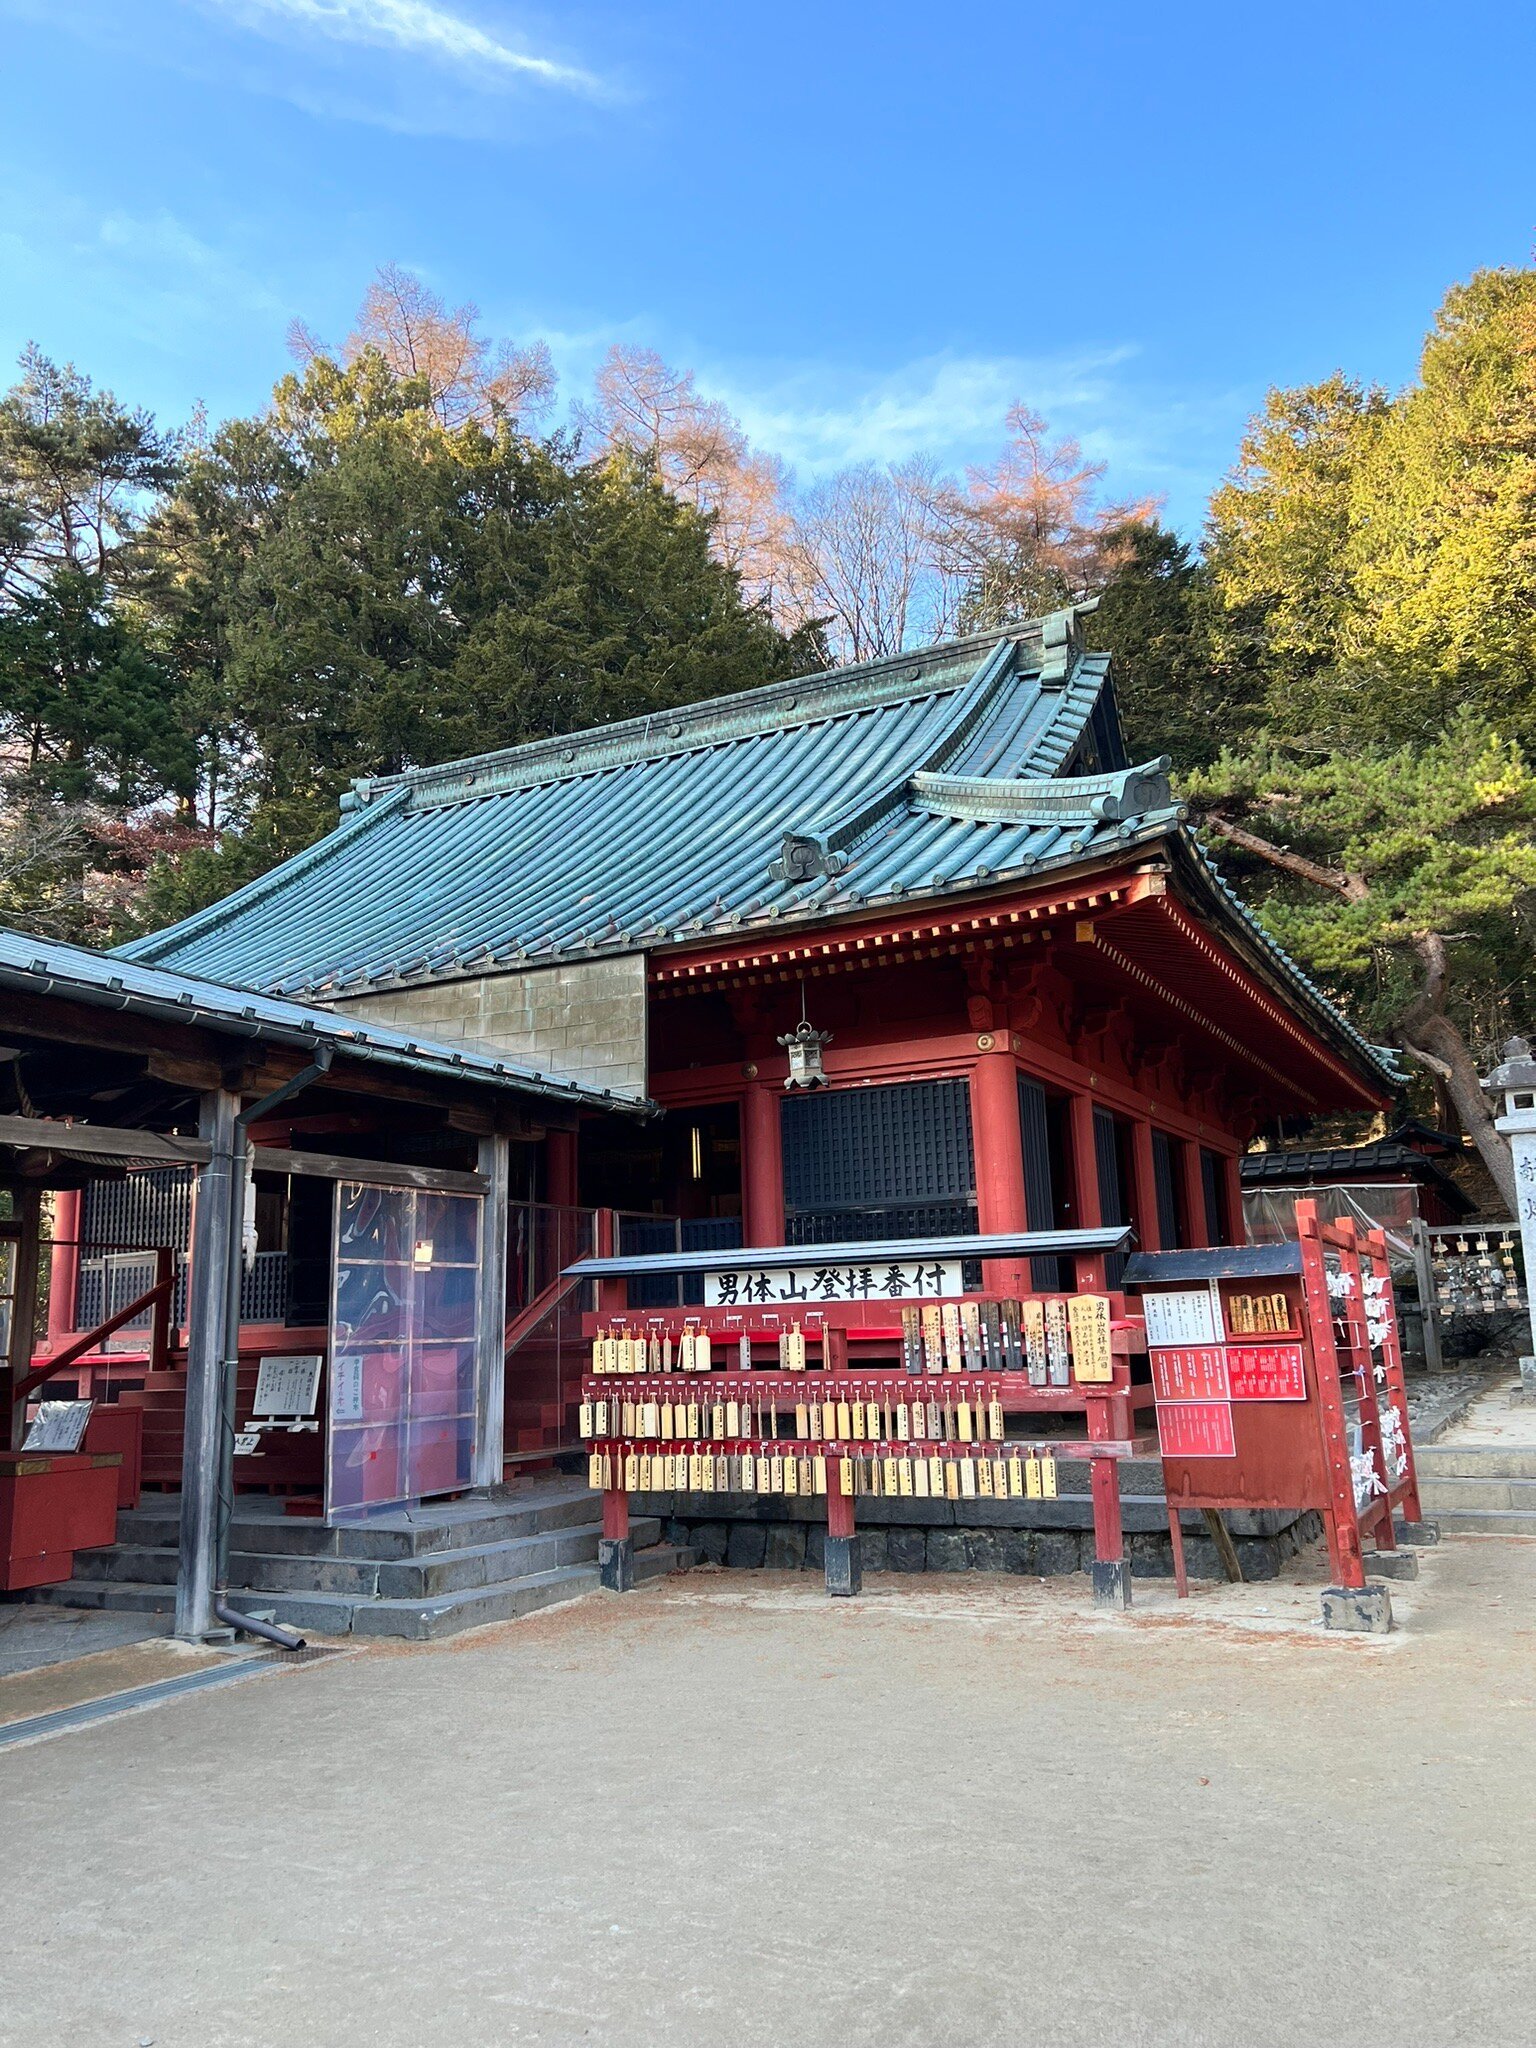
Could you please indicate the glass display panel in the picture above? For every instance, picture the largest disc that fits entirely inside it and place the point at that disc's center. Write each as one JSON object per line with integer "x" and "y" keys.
{"x": 404, "y": 1326}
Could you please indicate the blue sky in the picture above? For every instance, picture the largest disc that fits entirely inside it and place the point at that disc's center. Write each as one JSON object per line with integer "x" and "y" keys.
{"x": 866, "y": 228}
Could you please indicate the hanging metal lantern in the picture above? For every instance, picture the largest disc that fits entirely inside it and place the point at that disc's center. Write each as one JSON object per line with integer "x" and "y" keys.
{"x": 804, "y": 1045}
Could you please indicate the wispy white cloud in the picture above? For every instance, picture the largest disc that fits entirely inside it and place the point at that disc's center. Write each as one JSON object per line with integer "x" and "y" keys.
{"x": 413, "y": 28}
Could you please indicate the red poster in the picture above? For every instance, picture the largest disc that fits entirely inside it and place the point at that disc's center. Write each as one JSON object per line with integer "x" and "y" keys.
{"x": 1189, "y": 1373}
{"x": 1266, "y": 1372}
{"x": 1196, "y": 1429}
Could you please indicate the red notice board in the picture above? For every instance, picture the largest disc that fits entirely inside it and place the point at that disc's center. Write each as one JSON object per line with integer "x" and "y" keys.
{"x": 1266, "y": 1372}
{"x": 1196, "y": 1429}
{"x": 1190, "y": 1372}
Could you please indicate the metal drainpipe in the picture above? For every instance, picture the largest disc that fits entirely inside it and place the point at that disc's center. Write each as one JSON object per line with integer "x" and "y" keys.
{"x": 248, "y": 1624}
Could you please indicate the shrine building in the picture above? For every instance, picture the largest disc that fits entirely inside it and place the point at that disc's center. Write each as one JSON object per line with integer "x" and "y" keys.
{"x": 1034, "y": 1001}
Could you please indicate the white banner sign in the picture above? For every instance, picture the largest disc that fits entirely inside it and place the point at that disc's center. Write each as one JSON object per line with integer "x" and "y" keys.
{"x": 791, "y": 1287}
{"x": 287, "y": 1386}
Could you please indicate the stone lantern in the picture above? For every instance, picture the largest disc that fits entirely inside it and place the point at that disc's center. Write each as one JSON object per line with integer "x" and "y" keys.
{"x": 1514, "y": 1078}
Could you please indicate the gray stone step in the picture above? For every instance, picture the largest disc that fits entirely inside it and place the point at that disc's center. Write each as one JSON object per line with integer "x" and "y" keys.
{"x": 418, "y": 1620}
{"x": 1475, "y": 1461}
{"x": 460, "y": 1525}
{"x": 1485, "y": 1521}
{"x": 433, "y": 1572}
{"x": 1477, "y": 1493}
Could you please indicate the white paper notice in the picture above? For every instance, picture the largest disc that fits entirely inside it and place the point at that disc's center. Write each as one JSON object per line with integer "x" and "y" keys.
{"x": 287, "y": 1386}
{"x": 1186, "y": 1317}
{"x": 347, "y": 1388}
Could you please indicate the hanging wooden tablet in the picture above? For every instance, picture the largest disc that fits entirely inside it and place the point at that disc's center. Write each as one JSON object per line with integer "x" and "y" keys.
{"x": 586, "y": 1427}
{"x": 707, "y": 1472}
{"x": 746, "y": 1418}
{"x": 891, "y": 1478}
{"x": 935, "y": 1430}
{"x": 844, "y": 1422}
{"x": 764, "y": 1474}
{"x": 1088, "y": 1315}
{"x": 933, "y": 1339}
{"x": 845, "y": 1475}
{"x": 819, "y": 1474}
{"x": 984, "y": 1478}
{"x": 597, "y": 1354}
{"x": 951, "y": 1480}
{"x": 1015, "y": 1478}
{"x": 802, "y": 1420}
{"x": 627, "y": 1418}
{"x": 744, "y": 1352}
{"x": 911, "y": 1341}
{"x": 1056, "y": 1342}
{"x": 999, "y": 1478}
{"x": 701, "y": 1352}
{"x": 685, "y": 1352}
{"x": 776, "y": 1472}
{"x": 1013, "y": 1339}
{"x": 963, "y": 1421}
{"x": 796, "y": 1348}
{"x": 791, "y": 1476}
{"x": 695, "y": 1420}
{"x": 949, "y": 1323}
{"x": 595, "y": 1470}
{"x": 967, "y": 1479}
{"x": 1032, "y": 1478}
{"x": 1032, "y": 1321}
{"x": 1048, "y": 1478}
{"x": 807, "y": 1479}
{"x": 920, "y": 1478}
{"x": 733, "y": 1419}
{"x": 631, "y": 1472}
{"x": 970, "y": 1335}
{"x": 904, "y": 1477}
{"x": 992, "y": 1335}
{"x": 995, "y": 1428}
{"x": 936, "y": 1478}
{"x": 650, "y": 1418}
{"x": 903, "y": 1421}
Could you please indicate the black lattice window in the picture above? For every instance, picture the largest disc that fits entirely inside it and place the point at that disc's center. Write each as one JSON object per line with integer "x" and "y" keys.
{"x": 867, "y": 1163}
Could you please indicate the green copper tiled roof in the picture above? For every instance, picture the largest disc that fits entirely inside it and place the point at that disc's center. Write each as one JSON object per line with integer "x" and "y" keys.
{"x": 958, "y": 767}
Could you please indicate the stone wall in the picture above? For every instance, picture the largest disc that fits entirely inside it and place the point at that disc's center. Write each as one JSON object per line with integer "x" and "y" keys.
{"x": 581, "y": 1021}
{"x": 1041, "y": 1538}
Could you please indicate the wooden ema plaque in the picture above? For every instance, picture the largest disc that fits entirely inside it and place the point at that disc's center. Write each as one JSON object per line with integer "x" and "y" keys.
{"x": 1278, "y": 1378}
{"x": 974, "y": 1400}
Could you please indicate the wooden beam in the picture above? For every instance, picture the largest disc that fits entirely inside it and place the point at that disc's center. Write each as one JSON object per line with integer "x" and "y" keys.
{"x": 383, "y": 1173}
{"x": 104, "y": 1141}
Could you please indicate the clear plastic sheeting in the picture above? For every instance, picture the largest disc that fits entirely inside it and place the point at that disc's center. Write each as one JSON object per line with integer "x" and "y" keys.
{"x": 1269, "y": 1214}
{"x": 404, "y": 1324}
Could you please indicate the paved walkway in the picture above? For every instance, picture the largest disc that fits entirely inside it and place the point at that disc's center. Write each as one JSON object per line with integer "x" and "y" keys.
{"x": 728, "y": 1811}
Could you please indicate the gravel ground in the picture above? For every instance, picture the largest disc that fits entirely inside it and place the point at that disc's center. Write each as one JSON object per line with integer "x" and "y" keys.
{"x": 728, "y": 1811}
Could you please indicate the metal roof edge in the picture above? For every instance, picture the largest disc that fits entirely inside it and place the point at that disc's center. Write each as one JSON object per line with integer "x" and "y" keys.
{"x": 1270, "y": 954}
{"x": 687, "y": 728}
{"x": 153, "y": 946}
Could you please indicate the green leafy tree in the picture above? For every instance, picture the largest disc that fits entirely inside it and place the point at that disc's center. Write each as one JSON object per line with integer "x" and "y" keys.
{"x": 1396, "y": 874}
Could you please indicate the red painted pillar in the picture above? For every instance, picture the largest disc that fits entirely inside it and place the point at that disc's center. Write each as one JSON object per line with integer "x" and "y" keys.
{"x": 762, "y": 1165}
{"x": 560, "y": 1179}
{"x": 1000, "y": 1199}
{"x": 1149, "y": 1227}
{"x": 1194, "y": 1193}
{"x": 1085, "y": 1189}
{"x": 64, "y": 1266}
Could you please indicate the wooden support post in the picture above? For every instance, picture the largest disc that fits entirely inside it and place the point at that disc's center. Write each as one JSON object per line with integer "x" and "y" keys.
{"x": 1230, "y": 1168}
{"x": 1194, "y": 1193}
{"x": 494, "y": 1162}
{"x": 616, "y": 1547}
{"x": 214, "y": 1252}
{"x": 845, "y": 1570}
{"x": 560, "y": 1171}
{"x": 24, "y": 1274}
{"x": 1149, "y": 1226}
{"x": 999, "y": 1154}
{"x": 1424, "y": 1279}
{"x": 1108, "y": 1416}
{"x": 1226, "y": 1549}
{"x": 160, "y": 1315}
{"x": 1085, "y": 1190}
{"x": 1176, "y": 1542}
{"x": 762, "y": 1165}
{"x": 64, "y": 1266}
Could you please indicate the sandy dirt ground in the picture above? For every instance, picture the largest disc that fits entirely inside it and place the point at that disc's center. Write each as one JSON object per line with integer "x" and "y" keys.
{"x": 725, "y": 1811}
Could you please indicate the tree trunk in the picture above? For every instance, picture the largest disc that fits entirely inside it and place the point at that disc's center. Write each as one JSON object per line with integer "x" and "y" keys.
{"x": 1427, "y": 1034}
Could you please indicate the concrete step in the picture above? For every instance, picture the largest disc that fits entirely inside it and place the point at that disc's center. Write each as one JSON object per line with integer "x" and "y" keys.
{"x": 1475, "y": 1461}
{"x": 1485, "y": 1521}
{"x": 414, "y": 1620}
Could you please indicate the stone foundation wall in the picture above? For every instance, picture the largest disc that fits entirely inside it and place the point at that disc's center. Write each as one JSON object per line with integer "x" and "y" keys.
{"x": 1038, "y": 1539}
